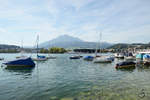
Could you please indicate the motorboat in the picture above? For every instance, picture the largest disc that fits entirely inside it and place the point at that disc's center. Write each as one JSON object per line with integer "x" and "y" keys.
{"x": 125, "y": 65}
{"x": 139, "y": 57}
{"x": 129, "y": 57}
{"x": 119, "y": 55}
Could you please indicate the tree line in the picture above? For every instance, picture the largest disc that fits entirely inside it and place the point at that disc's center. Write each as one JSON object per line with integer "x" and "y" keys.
{"x": 53, "y": 50}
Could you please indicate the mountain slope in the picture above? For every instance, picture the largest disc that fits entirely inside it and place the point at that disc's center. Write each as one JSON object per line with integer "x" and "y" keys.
{"x": 66, "y": 41}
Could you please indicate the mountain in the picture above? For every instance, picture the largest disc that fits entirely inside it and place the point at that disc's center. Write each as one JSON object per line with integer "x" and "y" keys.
{"x": 66, "y": 41}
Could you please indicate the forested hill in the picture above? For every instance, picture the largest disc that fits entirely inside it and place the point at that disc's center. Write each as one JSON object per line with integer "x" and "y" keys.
{"x": 5, "y": 46}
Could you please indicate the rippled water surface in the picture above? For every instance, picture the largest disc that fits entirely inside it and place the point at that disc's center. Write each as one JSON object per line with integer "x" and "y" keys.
{"x": 65, "y": 79}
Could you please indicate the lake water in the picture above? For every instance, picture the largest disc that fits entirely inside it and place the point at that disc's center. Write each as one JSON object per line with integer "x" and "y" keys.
{"x": 65, "y": 79}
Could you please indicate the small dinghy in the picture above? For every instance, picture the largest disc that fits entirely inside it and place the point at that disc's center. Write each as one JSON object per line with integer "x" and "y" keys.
{"x": 40, "y": 58}
{"x": 22, "y": 62}
{"x": 125, "y": 65}
{"x": 88, "y": 58}
{"x": 75, "y": 57}
{"x": 51, "y": 57}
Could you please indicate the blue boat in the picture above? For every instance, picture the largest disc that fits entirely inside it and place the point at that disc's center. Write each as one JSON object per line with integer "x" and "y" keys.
{"x": 22, "y": 62}
{"x": 88, "y": 58}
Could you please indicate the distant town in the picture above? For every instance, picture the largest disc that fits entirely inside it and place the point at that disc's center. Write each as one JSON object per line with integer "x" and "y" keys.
{"x": 113, "y": 48}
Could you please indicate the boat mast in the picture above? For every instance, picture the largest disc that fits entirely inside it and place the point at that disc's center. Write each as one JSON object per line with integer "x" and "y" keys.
{"x": 37, "y": 44}
{"x": 99, "y": 43}
{"x": 21, "y": 47}
{"x": 100, "y": 38}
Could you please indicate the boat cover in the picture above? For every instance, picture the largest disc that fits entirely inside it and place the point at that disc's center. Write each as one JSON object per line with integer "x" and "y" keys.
{"x": 125, "y": 63}
{"x": 40, "y": 56}
{"x": 88, "y": 57}
{"x": 23, "y": 61}
{"x": 146, "y": 56}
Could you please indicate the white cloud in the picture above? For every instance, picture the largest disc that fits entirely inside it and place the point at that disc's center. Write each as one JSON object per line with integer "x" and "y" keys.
{"x": 79, "y": 18}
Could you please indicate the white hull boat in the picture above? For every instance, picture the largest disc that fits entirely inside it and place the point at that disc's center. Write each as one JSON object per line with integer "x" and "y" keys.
{"x": 102, "y": 60}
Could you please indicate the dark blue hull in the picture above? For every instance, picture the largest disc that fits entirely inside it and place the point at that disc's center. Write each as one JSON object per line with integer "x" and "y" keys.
{"x": 24, "y": 62}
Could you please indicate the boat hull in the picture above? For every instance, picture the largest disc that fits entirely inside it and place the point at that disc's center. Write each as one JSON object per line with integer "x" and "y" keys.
{"x": 75, "y": 57}
{"x": 125, "y": 66}
{"x": 26, "y": 62}
{"x": 37, "y": 59}
{"x": 98, "y": 60}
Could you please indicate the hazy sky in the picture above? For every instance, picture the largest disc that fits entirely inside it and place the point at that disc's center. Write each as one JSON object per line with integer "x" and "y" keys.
{"x": 118, "y": 20}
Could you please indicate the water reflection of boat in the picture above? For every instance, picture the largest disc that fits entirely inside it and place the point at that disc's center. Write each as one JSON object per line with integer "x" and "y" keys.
{"x": 19, "y": 69}
{"x": 20, "y": 63}
{"x": 125, "y": 65}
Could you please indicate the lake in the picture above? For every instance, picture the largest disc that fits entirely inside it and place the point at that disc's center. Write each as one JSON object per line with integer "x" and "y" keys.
{"x": 65, "y": 79}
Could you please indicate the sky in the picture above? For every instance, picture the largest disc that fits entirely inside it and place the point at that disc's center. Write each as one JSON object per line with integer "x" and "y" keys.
{"x": 125, "y": 21}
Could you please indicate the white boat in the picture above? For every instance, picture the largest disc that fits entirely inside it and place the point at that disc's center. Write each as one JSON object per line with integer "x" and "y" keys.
{"x": 119, "y": 55}
{"x": 102, "y": 59}
{"x": 129, "y": 58}
{"x": 39, "y": 57}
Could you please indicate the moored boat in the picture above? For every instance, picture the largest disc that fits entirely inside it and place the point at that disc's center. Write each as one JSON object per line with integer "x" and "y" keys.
{"x": 75, "y": 57}
{"x": 22, "y": 62}
{"x": 51, "y": 57}
{"x": 119, "y": 55}
{"x": 102, "y": 60}
{"x": 129, "y": 57}
{"x": 139, "y": 57}
{"x": 39, "y": 57}
{"x": 125, "y": 65}
{"x": 146, "y": 59}
{"x": 88, "y": 58}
